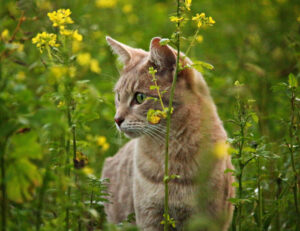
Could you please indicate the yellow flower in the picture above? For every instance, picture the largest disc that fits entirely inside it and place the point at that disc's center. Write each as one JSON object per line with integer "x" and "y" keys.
{"x": 94, "y": 66}
{"x": 199, "y": 38}
{"x": 221, "y": 149}
{"x": 101, "y": 140}
{"x": 154, "y": 119}
{"x": 61, "y": 104}
{"x": 298, "y": 19}
{"x": 106, "y": 3}
{"x": 76, "y": 46}
{"x": 84, "y": 59}
{"x": 188, "y": 4}
{"x": 87, "y": 171}
{"x": 202, "y": 20}
{"x": 43, "y": 40}
{"x": 198, "y": 17}
{"x": 5, "y": 34}
{"x": 127, "y": 8}
{"x": 211, "y": 21}
{"x": 105, "y": 147}
{"x": 175, "y": 19}
{"x": 64, "y": 31}
{"x": 60, "y": 17}
{"x": 58, "y": 71}
{"x": 77, "y": 36}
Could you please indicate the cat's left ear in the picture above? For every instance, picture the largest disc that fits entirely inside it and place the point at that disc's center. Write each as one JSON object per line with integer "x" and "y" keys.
{"x": 123, "y": 51}
{"x": 162, "y": 55}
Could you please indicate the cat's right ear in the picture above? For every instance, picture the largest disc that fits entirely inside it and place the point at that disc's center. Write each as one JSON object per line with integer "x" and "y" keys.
{"x": 162, "y": 55}
{"x": 122, "y": 50}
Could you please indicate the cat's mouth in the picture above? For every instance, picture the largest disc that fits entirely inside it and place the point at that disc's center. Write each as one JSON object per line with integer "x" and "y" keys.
{"x": 131, "y": 130}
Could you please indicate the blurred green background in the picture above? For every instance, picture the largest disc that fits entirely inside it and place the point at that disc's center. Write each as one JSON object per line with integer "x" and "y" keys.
{"x": 255, "y": 42}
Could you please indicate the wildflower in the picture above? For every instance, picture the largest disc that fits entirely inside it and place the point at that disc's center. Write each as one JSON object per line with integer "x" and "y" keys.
{"x": 61, "y": 104}
{"x": 43, "y": 40}
{"x": 60, "y": 17}
{"x": 101, "y": 140}
{"x": 76, "y": 46}
{"x": 198, "y": 17}
{"x": 64, "y": 31}
{"x": 58, "y": 71}
{"x": 94, "y": 66}
{"x": 199, "y": 38}
{"x": 154, "y": 119}
{"x": 175, "y": 19}
{"x": 211, "y": 21}
{"x": 80, "y": 161}
{"x": 202, "y": 20}
{"x": 77, "y": 36}
{"x": 5, "y": 34}
{"x": 84, "y": 59}
{"x": 105, "y": 147}
{"x": 221, "y": 149}
{"x": 87, "y": 171}
{"x": 127, "y": 8}
{"x": 298, "y": 19}
{"x": 106, "y": 3}
{"x": 188, "y": 4}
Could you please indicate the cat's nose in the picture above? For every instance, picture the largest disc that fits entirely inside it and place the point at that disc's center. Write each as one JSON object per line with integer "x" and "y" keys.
{"x": 119, "y": 120}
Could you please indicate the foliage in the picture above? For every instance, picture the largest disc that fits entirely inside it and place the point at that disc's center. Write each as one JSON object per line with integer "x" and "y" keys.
{"x": 57, "y": 108}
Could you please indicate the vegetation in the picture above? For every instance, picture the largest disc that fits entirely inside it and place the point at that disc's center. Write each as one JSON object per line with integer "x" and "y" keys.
{"x": 57, "y": 106}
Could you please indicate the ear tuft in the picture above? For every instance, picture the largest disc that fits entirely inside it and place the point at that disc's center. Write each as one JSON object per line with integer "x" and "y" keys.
{"x": 122, "y": 50}
{"x": 162, "y": 55}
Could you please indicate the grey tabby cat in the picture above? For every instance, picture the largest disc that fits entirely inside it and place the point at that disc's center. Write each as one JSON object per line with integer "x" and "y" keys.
{"x": 136, "y": 171}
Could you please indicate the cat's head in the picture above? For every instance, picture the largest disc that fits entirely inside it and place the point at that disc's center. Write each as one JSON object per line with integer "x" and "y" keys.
{"x": 133, "y": 87}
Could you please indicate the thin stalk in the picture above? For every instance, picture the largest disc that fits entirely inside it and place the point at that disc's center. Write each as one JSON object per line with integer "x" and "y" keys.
{"x": 166, "y": 175}
{"x": 259, "y": 199}
{"x": 241, "y": 166}
{"x": 68, "y": 172}
{"x": 41, "y": 199}
{"x": 3, "y": 186}
{"x": 193, "y": 41}
{"x": 292, "y": 152}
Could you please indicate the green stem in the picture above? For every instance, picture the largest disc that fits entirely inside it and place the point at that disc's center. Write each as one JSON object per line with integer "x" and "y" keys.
{"x": 259, "y": 199}
{"x": 292, "y": 151}
{"x": 46, "y": 179}
{"x": 3, "y": 186}
{"x": 166, "y": 175}
{"x": 68, "y": 171}
{"x": 193, "y": 41}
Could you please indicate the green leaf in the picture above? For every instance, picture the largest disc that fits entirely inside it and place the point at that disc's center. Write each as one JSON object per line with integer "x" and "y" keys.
{"x": 164, "y": 41}
{"x": 202, "y": 65}
{"x": 292, "y": 81}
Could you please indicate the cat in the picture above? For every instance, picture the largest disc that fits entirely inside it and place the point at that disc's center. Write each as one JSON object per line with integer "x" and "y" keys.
{"x": 136, "y": 172}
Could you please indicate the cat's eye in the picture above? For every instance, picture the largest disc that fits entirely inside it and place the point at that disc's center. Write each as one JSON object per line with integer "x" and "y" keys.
{"x": 140, "y": 97}
{"x": 118, "y": 96}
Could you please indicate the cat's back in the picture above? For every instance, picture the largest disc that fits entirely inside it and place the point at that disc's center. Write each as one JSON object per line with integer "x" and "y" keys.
{"x": 118, "y": 169}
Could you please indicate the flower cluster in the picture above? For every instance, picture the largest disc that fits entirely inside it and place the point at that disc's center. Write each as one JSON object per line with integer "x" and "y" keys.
{"x": 85, "y": 60}
{"x": 44, "y": 40}
{"x": 61, "y": 18}
{"x": 102, "y": 142}
{"x": 202, "y": 20}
